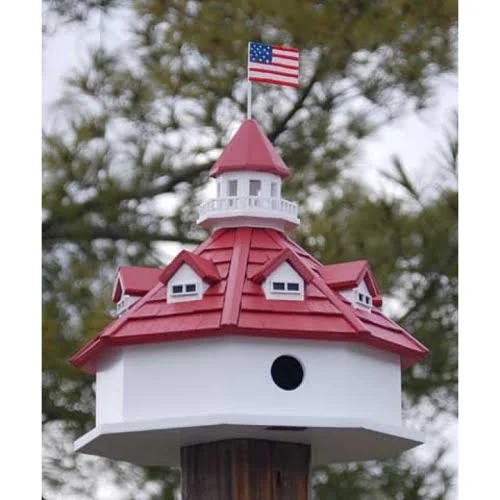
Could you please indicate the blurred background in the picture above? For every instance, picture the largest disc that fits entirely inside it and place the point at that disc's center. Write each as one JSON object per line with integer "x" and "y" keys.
{"x": 141, "y": 96}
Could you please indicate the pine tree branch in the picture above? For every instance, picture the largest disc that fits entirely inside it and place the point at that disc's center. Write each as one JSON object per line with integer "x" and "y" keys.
{"x": 281, "y": 127}
{"x": 432, "y": 287}
{"x": 185, "y": 175}
{"x": 74, "y": 232}
{"x": 59, "y": 228}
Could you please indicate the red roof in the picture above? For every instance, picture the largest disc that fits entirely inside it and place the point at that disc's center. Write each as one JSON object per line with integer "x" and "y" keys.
{"x": 135, "y": 281}
{"x": 250, "y": 149}
{"x": 235, "y": 304}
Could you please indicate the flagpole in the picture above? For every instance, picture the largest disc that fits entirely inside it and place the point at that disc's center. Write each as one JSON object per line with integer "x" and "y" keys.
{"x": 249, "y": 87}
{"x": 249, "y": 100}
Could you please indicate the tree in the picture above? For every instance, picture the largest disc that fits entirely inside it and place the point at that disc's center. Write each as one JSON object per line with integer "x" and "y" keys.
{"x": 143, "y": 124}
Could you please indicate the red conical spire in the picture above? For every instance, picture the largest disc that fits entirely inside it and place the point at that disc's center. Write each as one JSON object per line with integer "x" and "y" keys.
{"x": 250, "y": 149}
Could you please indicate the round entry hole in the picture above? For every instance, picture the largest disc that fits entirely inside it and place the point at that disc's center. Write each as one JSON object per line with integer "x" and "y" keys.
{"x": 287, "y": 372}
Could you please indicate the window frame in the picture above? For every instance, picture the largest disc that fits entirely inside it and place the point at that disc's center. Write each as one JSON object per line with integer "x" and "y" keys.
{"x": 232, "y": 182}
{"x": 253, "y": 183}
{"x": 363, "y": 299}
{"x": 183, "y": 290}
{"x": 286, "y": 289}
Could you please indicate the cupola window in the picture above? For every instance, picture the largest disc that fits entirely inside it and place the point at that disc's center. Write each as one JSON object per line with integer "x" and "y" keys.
{"x": 274, "y": 195}
{"x": 232, "y": 188}
{"x": 232, "y": 191}
{"x": 255, "y": 187}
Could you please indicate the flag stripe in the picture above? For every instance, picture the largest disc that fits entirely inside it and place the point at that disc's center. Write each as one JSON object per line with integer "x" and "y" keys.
{"x": 269, "y": 74}
{"x": 279, "y": 65}
{"x": 281, "y": 68}
{"x": 292, "y": 60}
{"x": 275, "y": 82}
{"x": 289, "y": 55}
{"x": 293, "y": 63}
{"x": 273, "y": 72}
{"x": 282, "y": 47}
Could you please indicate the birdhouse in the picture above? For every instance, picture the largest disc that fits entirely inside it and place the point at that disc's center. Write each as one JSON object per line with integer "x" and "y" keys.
{"x": 248, "y": 336}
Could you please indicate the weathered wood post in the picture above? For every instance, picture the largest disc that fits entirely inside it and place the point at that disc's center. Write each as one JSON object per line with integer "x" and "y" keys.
{"x": 246, "y": 469}
{"x": 246, "y": 360}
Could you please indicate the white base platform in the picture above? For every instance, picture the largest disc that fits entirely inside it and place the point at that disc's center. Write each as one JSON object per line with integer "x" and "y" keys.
{"x": 159, "y": 442}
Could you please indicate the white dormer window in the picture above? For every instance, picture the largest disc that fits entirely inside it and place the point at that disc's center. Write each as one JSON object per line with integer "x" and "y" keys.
{"x": 363, "y": 299}
{"x": 184, "y": 289}
{"x": 286, "y": 287}
{"x": 125, "y": 302}
{"x": 359, "y": 297}
{"x": 185, "y": 285}
{"x": 284, "y": 283}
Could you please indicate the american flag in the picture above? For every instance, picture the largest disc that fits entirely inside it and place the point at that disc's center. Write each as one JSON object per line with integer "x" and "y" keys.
{"x": 273, "y": 64}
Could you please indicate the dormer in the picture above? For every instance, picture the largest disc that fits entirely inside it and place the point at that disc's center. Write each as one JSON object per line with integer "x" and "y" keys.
{"x": 249, "y": 174}
{"x": 356, "y": 282}
{"x": 284, "y": 277}
{"x": 188, "y": 277}
{"x": 131, "y": 284}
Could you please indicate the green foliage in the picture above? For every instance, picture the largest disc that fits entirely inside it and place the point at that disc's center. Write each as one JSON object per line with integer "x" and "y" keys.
{"x": 144, "y": 123}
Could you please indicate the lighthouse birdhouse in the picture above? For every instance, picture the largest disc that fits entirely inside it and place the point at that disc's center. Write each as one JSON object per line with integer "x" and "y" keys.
{"x": 248, "y": 336}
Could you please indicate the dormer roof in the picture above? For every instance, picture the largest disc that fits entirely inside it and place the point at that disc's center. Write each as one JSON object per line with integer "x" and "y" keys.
{"x": 134, "y": 280}
{"x": 231, "y": 259}
{"x": 250, "y": 149}
{"x": 345, "y": 275}
{"x": 203, "y": 267}
{"x": 285, "y": 255}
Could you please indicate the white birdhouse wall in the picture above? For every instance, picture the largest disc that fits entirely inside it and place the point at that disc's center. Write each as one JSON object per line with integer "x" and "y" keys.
{"x": 232, "y": 376}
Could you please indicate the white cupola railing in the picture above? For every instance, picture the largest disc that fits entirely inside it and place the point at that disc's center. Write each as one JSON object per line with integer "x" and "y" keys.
{"x": 248, "y": 198}
{"x": 254, "y": 203}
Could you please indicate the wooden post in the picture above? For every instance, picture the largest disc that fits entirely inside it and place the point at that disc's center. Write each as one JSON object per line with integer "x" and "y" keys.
{"x": 246, "y": 469}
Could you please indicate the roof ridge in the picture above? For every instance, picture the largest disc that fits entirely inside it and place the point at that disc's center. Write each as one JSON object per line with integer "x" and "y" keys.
{"x": 345, "y": 309}
{"x": 235, "y": 278}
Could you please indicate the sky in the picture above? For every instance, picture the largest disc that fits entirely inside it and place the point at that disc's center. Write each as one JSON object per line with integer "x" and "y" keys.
{"x": 412, "y": 137}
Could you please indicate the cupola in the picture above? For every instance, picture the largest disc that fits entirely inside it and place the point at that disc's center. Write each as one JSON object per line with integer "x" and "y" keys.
{"x": 249, "y": 174}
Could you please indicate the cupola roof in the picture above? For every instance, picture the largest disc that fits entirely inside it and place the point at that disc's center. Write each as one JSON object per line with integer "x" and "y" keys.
{"x": 250, "y": 149}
